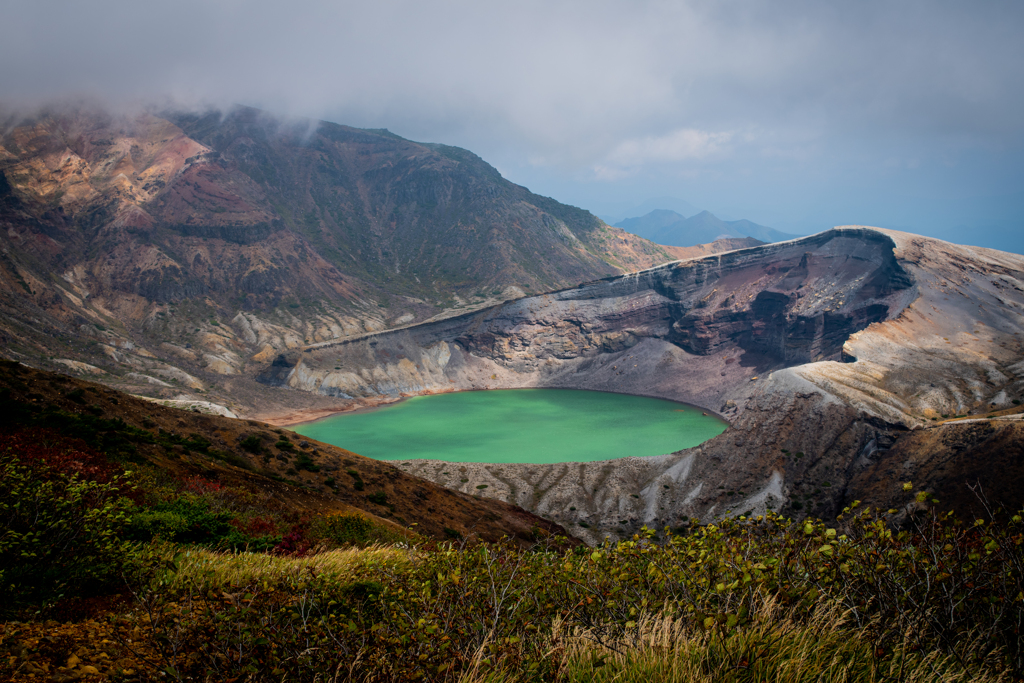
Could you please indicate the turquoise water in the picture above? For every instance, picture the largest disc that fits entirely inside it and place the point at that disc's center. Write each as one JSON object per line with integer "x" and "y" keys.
{"x": 518, "y": 425}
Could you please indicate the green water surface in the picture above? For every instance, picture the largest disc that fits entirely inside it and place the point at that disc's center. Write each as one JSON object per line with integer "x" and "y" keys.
{"x": 518, "y": 425}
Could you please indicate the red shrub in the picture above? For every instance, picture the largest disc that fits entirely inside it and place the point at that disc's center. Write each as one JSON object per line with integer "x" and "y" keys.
{"x": 46, "y": 451}
{"x": 295, "y": 542}
{"x": 255, "y": 526}
{"x": 200, "y": 486}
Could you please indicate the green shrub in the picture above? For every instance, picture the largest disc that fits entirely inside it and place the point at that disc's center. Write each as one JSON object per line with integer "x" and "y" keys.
{"x": 350, "y": 529}
{"x": 60, "y": 534}
{"x": 165, "y": 524}
{"x": 378, "y": 497}
{"x": 252, "y": 443}
{"x": 341, "y": 529}
{"x": 304, "y": 462}
{"x": 187, "y": 519}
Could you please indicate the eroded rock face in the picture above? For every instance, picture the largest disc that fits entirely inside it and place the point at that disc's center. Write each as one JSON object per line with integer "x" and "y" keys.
{"x": 829, "y": 355}
{"x": 821, "y": 352}
{"x": 229, "y": 238}
{"x": 731, "y": 316}
{"x": 743, "y": 471}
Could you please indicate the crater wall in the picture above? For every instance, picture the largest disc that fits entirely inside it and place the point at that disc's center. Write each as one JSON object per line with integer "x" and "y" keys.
{"x": 690, "y": 330}
{"x": 821, "y": 352}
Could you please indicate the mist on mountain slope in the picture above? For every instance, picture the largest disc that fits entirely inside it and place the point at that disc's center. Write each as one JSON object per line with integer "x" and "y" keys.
{"x": 791, "y": 114}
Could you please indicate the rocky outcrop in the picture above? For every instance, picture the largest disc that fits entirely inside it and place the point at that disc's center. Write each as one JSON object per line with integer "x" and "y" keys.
{"x": 824, "y": 354}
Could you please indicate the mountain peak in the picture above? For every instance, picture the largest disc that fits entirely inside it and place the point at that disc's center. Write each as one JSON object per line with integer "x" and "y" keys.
{"x": 670, "y": 228}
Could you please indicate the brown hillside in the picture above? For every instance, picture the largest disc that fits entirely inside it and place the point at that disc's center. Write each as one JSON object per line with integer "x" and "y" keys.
{"x": 75, "y": 407}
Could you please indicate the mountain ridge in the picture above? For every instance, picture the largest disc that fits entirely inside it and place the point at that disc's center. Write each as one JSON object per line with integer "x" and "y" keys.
{"x": 185, "y": 251}
{"x": 668, "y": 227}
{"x": 202, "y": 260}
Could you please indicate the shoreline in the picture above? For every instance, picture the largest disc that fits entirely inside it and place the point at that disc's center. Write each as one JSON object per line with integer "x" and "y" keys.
{"x": 299, "y": 416}
{"x": 307, "y": 415}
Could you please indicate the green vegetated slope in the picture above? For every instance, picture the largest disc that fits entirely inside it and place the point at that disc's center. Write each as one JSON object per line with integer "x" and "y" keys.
{"x": 224, "y": 482}
{"x": 147, "y": 543}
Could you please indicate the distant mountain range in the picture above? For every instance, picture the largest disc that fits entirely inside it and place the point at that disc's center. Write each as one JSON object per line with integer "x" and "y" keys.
{"x": 674, "y": 229}
{"x": 680, "y": 206}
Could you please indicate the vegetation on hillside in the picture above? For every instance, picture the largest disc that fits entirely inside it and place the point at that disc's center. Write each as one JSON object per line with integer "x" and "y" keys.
{"x": 746, "y": 599}
{"x": 74, "y": 522}
{"x": 219, "y": 472}
{"x": 113, "y": 566}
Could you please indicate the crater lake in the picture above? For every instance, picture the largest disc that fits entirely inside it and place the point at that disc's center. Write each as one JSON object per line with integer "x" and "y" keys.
{"x": 518, "y": 426}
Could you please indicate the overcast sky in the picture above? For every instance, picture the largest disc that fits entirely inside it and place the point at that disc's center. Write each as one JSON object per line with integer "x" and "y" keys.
{"x": 797, "y": 115}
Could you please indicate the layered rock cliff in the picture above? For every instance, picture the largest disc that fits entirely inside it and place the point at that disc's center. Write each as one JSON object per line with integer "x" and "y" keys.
{"x": 692, "y": 330}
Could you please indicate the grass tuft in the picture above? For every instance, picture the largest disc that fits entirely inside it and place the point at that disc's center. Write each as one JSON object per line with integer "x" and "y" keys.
{"x": 208, "y": 569}
{"x": 775, "y": 647}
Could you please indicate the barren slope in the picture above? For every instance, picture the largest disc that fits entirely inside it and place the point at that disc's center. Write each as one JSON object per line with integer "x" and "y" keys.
{"x": 177, "y": 255}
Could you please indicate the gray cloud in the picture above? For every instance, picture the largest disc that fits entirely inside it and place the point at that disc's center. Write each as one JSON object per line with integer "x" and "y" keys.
{"x": 586, "y": 99}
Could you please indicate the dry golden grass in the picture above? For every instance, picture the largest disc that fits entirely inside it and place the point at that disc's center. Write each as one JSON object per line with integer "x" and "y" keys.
{"x": 773, "y": 648}
{"x": 209, "y": 569}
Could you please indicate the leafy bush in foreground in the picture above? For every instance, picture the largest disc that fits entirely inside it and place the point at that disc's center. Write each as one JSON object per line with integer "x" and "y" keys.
{"x": 62, "y": 512}
{"x": 70, "y": 518}
{"x": 945, "y": 595}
